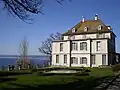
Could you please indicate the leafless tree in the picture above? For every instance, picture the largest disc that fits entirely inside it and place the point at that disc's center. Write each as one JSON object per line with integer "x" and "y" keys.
{"x": 23, "y": 59}
{"x": 46, "y": 46}
{"x": 24, "y": 8}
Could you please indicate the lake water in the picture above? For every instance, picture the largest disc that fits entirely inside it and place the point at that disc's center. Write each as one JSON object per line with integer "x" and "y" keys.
{"x": 11, "y": 59}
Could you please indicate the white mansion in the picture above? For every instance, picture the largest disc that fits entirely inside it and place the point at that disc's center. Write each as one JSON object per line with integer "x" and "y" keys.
{"x": 90, "y": 43}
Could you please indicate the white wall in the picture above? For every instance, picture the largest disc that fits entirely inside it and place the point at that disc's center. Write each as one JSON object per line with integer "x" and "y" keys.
{"x": 56, "y": 47}
{"x": 103, "y": 46}
{"x": 92, "y": 36}
{"x": 80, "y": 53}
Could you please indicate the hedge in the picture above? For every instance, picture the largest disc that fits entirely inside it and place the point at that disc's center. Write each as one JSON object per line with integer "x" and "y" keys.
{"x": 10, "y": 73}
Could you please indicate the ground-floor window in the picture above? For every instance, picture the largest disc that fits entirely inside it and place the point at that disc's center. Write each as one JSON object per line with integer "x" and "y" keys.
{"x": 93, "y": 59}
{"x": 103, "y": 59}
{"x": 83, "y": 60}
{"x": 65, "y": 59}
{"x": 74, "y": 60}
{"x": 57, "y": 58}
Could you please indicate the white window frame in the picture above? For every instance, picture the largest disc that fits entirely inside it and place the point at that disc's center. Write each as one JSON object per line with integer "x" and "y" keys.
{"x": 83, "y": 60}
{"x": 74, "y": 60}
{"x": 93, "y": 57}
{"x": 100, "y": 35}
{"x": 85, "y": 29}
{"x": 74, "y": 30}
{"x": 104, "y": 59}
{"x": 98, "y": 45}
{"x": 83, "y": 46}
{"x": 61, "y": 47}
{"x": 57, "y": 58}
{"x": 99, "y": 27}
{"x": 65, "y": 59}
{"x": 74, "y": 46}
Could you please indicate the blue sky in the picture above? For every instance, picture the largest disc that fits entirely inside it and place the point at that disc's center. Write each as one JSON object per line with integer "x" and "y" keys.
{"x": 57, "y": 18}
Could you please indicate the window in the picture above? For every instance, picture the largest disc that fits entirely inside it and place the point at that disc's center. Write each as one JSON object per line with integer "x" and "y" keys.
{"x": 83, "y": 60}
{"x": 74, "y": 60}
{"x": 84, "y": 36}
{"x": 99, "y": 27}
{"x": 57, "y": 58}
{"x": 74, "y": 30}
{"x": 65, "y": 59}
{"x": 74, "y": 46}
{"x": 98, "y": 45}
{"x": 61, "y": 46}
{"x": 86, "y": 29}
{"x": 100, "y": 35}
{"x": 103, "y": 59}
{"x": 93, "y": 59}
{"x": 72, "y": 37}
{"x": 83, "y": 46}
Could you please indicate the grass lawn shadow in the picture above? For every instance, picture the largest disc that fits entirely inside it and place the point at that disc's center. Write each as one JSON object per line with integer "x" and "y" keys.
{"x": 6, "y": 79}
{"x": 80, "y": 84}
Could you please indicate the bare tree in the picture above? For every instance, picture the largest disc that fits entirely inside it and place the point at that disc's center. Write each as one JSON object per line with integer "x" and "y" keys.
{"x": 23, "y": 8}
{"x": 46, "y": 46}
{"x": 23, "y": 59}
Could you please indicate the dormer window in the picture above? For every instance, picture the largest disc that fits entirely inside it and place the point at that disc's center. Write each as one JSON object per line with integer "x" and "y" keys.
{"x": 99, "y": 27}
{"x": 74, "y": 30}
{"x": 86, "y": 29}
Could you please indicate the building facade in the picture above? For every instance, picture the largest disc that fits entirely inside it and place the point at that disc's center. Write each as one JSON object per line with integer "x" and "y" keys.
{"x": 90, "y": 43}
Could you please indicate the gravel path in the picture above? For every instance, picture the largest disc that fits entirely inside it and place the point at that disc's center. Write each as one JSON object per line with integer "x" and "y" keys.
{"x": 115, "y": 85}
{"x": 112, "y": 83}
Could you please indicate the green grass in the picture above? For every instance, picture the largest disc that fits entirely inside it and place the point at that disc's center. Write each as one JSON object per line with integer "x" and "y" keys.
{"x": 33, "y": 81}
{"x": 100, "y": 72}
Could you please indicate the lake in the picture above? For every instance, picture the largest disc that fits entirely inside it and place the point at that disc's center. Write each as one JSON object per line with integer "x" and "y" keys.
{"x": 11, "y": 59}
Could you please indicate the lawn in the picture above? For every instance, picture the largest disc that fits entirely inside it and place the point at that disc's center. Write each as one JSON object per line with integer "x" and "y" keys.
{"x": 33, "y": 81}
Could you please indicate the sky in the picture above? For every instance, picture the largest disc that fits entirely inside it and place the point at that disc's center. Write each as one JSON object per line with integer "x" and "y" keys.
{"x": 56, "y": 18}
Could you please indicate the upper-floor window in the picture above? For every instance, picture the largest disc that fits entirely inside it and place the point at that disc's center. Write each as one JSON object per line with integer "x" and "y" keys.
{"x": 83, "y": 60}
{"x": 74, "y": 30}
{"x": 98, "y": 45}
{"x": 85, "y": 29}
{"x": 100, "y": 35}
{"x": 57, "y": 58}
{"x": 74, "y": 46}
{"x": 74, "y": 60}
{"x": 84, "y": 36}
{"x": 83, "y": 46}
{"x": 61, "y": 46}
{"x": 71, "y": 37}
{"x": 99, "y": 27}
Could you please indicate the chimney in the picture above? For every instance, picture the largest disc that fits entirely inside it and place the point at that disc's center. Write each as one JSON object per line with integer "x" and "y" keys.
{"x": 96, "y": 16}
{"x": 83, "y": 19}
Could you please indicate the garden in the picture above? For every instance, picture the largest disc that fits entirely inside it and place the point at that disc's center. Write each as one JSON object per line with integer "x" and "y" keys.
{"x": 84, "y": 78}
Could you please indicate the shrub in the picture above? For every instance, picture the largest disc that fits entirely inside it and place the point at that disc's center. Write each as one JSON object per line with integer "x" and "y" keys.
{"x": 82, "y": 74}
{"x": 10, "y": 73}
{"x": 87, "y": 70}
{"x": 33, "y": 70}
{"x": 116, "y": 68}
